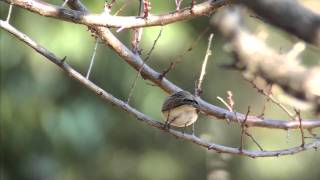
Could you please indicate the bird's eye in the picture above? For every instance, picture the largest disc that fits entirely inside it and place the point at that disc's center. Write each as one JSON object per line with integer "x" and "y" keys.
{"x": 190, "y": 101}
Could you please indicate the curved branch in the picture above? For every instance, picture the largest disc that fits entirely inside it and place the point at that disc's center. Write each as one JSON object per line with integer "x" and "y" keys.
{"x": 255, "y": 58}
{"x": 290, "y": 16}
{"x": 140, "y": 116}
{"x": 84, "y": 17}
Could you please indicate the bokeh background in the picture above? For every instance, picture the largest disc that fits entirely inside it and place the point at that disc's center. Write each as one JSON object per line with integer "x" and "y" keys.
{"x": 52, "y": 128}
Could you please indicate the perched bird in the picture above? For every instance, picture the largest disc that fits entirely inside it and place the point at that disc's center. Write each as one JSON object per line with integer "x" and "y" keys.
{"x": 180, "y": 109}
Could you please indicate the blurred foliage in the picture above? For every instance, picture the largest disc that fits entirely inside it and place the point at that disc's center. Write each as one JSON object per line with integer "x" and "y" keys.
{"x": 52, "y": 128}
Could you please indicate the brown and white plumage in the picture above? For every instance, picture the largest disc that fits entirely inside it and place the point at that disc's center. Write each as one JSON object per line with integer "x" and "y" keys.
{"x": 180, "y": 109}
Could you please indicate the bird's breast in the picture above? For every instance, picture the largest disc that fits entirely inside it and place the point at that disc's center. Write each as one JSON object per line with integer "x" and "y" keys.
{"x": 181, "y": 116}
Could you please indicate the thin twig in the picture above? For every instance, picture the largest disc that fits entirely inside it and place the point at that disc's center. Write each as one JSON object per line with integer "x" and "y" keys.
{"x": 301, "y": 128}
{"x": 179, "y": 58}
{"x": 225, "y": 103}
{"x": 243, "y": 129}
{"x": 265, "y": 103}
{"x": 9, "y": 13}
{"x": 92, "y": 57}
{"x": 137, "y": 32}
{"x": 145, "y": 60}
{"x": 254, "y": 140}
{"x": 64, "y": 3}
{"x": 122, "y": 7}
{"x": 198, "y": 90}
{"x": 269, "y": 96}
{"x": 178, "y": 3}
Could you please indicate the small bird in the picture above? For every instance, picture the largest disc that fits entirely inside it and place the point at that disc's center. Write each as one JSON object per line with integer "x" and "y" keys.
{"x": 180, "y": 109}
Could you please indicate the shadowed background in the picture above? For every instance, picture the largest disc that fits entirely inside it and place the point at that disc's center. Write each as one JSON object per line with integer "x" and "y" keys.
{"x": 53, "y": 128}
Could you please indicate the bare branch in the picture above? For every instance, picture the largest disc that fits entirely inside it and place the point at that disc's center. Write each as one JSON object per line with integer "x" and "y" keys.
{"x": 124, "y": 22}
{"x": 140, "y": 116}
{"x": 92, "y": 57}
{"x": 198, "y": 90}
{"x": 290, "y": 16}
{"x": 144, "y": 62}
{"x": 9, "y": 13}
{"x": 256, "y": 59}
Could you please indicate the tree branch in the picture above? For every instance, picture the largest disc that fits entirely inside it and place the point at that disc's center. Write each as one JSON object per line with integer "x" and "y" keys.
{"x": 84, "y": 17}
{"x": 137, "y": 114}
{"x": 254, "y": 58}
{"x": 289, "y": 15}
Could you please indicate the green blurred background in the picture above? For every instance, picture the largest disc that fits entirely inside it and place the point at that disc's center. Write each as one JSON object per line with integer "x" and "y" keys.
{"x": 52, "y": 128}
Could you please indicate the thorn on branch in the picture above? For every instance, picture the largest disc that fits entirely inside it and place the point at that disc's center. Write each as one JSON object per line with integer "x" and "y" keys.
{"x": 63, "y": 60}
{"x": 167, "y": 70}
